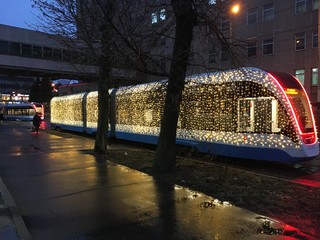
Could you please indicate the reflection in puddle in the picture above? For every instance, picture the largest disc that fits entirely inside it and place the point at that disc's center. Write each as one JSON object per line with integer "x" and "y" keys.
{"x": 272, "y": 227}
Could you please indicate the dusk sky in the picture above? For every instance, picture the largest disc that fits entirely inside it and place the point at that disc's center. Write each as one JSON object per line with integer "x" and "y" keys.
{"x": 18, "y": 13}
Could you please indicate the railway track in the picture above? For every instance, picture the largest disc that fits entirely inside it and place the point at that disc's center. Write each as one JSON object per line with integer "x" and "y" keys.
{"x": 305, "y": 173}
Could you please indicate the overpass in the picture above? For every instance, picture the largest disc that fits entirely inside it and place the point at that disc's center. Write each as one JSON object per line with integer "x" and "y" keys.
{"x": 26, "y": 55}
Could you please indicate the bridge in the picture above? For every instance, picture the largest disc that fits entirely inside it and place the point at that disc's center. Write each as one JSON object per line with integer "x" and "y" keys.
{"x": 26, "y": 55}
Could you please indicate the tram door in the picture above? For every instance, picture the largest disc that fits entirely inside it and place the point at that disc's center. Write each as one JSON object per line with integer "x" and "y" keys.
{"x": 258, "y": 115}
{"x": 245, "y": 115}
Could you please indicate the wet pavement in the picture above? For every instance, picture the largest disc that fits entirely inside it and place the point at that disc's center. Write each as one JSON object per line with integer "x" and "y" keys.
{"x": 53, "y": 189}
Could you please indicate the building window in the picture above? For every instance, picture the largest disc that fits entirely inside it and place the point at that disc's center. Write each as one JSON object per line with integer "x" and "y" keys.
{"x": 268, "y": 12}
{"x": 36, "y": 51}
{"x": 163, "y": 64}
{"x": 4, "y": 47}
{"x": 315, "y": 39}
{"x": 252, "y": 16}
{"x": 154, "y": 17}
{"x": 267, "y": 46}
{"x": 314, "y": 79}
{"x": 47, "y": 53}
{"x": 300, "y": 74}
{"x": 252, "y": 48}
{"x": 300, "y": 6}
{"x": 225, "y": 24}
{"x": 212, "y": 55}
{"x": 66, "y": 55}
{"x": 26, "y": 50}
{"x": 56, "y": 54}
{"x": 315, "y": 4}
{"x": 158, "y": 16}
{"x": 191, "y": 57}
{"x": 162, "y": 41}
{"x": 300, "y": 41}
{"x": 14, "y": 48}
{"x": 162, "y": 15}
{"x": 224, "y": 55}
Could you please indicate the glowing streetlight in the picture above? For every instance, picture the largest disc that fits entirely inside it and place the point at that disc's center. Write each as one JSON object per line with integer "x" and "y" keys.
{"x": 235, "y": 8}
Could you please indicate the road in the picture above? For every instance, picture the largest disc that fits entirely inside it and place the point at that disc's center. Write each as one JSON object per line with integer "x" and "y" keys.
{"x": 63, "y": 192}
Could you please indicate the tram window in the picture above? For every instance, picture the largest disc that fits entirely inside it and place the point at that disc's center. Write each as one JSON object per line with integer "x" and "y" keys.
{"x": 258, "y": 115}
{"x": 244, "y": 115}
{"x": 26, "y": 111}
{"x": 263, "y": 116}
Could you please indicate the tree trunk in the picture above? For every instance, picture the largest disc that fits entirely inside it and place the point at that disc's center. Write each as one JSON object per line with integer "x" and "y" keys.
{"x": 103, "y": 95}
{"x": 165, "y": 159}
{"x": 103, "y": 116}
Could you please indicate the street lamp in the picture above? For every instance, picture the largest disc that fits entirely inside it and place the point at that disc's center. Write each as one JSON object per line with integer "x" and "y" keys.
{"x": 235, "y": 8}
{"x": 234, "y": 11}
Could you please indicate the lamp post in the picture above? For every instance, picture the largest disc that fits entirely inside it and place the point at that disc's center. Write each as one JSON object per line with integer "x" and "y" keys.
{"x": 234, "y": 10}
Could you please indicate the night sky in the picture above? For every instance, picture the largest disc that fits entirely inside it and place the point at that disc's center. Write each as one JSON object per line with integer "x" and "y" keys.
{"x": 18, "y": 13}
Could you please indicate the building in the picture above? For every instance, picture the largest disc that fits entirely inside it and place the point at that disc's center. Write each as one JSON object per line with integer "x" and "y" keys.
{"x": 273, "y": 34}
{"x": 282, "y": 36}
{"x": 27, "y": 55}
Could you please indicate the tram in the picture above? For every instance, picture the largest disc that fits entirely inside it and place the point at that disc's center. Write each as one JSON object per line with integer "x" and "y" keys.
{"x": 244, "y": 113}
{"x": 19, "y": 111}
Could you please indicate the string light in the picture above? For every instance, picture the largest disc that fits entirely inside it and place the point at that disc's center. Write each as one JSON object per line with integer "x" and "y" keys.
{"x": 238, "y": 107}
{"x": 67, "y": 110}
{"x": 92, "y": 110}
{"x": 210, "y": 110}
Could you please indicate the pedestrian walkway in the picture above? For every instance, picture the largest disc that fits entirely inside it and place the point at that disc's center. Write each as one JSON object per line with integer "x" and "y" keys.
{"x": 12, "y": 226}
{"x": 52, "y": 188}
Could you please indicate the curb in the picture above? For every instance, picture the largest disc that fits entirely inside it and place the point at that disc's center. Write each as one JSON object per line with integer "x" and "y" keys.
{"x": 18, "y": 222}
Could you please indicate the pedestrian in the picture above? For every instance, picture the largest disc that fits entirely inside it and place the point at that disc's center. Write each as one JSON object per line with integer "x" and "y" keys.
{"x": 1, "y": 114}
{"x": 36, "y": 122}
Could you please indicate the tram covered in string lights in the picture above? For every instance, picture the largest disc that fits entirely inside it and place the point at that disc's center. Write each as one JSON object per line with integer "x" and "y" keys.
{"x": 244, "y": 113}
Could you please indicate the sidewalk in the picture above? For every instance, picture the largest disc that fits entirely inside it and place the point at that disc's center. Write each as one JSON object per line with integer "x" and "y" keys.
{"x": 61, "y": 192}
{"x": 12, "y": 226}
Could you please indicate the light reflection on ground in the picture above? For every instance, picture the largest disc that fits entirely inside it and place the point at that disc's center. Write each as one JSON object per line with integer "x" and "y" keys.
{"x": 312, "y": 180}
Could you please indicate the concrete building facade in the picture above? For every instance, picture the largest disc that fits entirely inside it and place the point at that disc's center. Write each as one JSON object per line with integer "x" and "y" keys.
{"x": 282, "y": 36}
{"x": 27, "y": 55}
{"x": 273, "y": 35}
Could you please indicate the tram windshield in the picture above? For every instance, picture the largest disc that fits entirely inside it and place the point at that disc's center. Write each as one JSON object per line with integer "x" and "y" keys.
{"x": 301, "y": 109}
{"x": 300, "y": 105}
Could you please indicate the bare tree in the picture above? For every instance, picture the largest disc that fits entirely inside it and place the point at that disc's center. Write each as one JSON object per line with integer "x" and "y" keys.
{"x": 186, "y": 17}
{"x": 116, "y": 35}
{"x": 82, "y": 27}
{"x": 109, "y": 34}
